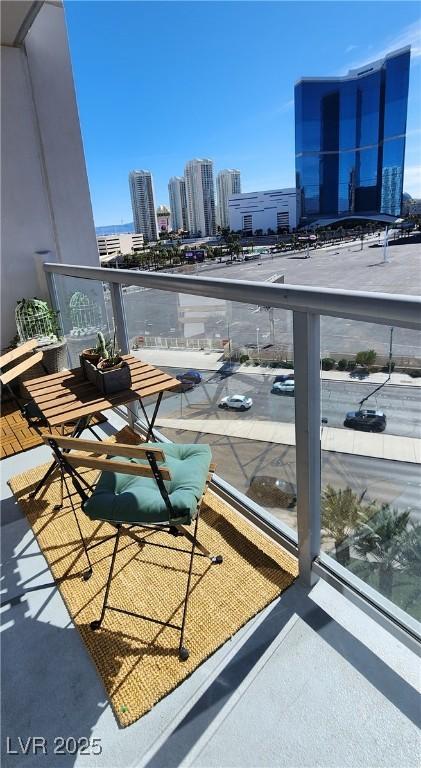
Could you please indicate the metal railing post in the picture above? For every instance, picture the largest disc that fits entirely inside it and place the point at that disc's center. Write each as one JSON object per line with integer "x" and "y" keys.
{"x": 55, "y": 305}
{"x": 307, "y": 439}
{"x": 120, "y": 325}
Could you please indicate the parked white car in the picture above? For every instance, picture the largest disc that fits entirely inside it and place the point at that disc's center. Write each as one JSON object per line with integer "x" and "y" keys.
{"x": 240, "y": 402}
{"x": 283, "y": 387}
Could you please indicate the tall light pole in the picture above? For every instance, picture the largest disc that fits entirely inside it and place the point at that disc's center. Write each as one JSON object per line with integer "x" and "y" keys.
{"x": 257, "y": 342}
{"x": 385, "y": 245}
{"x": 390, "y": 351}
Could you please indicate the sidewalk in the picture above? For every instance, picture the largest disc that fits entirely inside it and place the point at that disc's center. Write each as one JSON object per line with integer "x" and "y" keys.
{"x": 372, "y": 445}
{"x": 212, "y": 361}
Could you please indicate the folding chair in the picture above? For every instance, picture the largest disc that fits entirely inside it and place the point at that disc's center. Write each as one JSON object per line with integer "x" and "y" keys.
{"x": 29, "y": 409}
{"x": 137, "y": 490}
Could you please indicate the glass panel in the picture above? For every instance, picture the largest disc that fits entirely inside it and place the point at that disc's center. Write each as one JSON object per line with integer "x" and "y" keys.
{"x": 236, "y": 350}
{"x": 85, "y": 309}
{"x": 396, "y": 95}
{"x": 371, "y": 495}
{"x": 367, "y": 110}
{"x": 392, "y": 176}
{"x": 366, "y": 191}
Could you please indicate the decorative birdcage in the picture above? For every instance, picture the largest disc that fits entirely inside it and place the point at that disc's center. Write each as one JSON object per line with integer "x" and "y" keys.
{"x": 35, "y": 320}
{"x": 85, "y": 315}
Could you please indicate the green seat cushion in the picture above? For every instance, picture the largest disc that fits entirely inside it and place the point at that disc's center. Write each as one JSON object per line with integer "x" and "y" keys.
{"x": 131, "y": 499}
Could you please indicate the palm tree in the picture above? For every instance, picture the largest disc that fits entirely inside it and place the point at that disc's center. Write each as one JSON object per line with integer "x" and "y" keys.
{"x": 384, "y": 538}
{"x": 342, "y": 513}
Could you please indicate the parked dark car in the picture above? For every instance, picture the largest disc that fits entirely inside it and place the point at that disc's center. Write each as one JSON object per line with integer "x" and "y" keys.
{"x": 283, "y": 377}
{"x": 366, "y": 420}
{"x": 191, "y": 375}
{"x": 271, "y": 492}
{"x": 188, "y": 381}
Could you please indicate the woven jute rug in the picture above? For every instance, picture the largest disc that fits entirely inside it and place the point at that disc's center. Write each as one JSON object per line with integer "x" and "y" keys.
{"x": 138, "y": 660}
{"x": 17, "y": 436}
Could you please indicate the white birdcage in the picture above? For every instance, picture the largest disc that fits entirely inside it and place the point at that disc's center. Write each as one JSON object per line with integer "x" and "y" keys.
{"x": 85, "y": 315}
{"x": 34, "y": 320}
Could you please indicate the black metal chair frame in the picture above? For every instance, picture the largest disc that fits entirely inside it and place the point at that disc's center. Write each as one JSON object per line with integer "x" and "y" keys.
{"x": 174, "y": 529}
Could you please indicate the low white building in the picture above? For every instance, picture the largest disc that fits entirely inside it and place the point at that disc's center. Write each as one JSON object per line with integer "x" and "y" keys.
{"x": 119, "y": 243}
{"x": 271, "y": 209}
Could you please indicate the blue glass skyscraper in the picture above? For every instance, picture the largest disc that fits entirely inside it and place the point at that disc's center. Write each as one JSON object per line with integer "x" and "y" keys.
{"x": 350, "y": 141}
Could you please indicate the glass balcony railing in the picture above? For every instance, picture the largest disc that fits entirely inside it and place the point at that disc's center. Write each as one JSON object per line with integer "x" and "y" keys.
{"x": 286, "y": 449}
{"x": 371, "y": 495}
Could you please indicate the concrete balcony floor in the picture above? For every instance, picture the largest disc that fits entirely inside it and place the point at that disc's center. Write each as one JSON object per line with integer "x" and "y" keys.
{"x": 311, "y": 681}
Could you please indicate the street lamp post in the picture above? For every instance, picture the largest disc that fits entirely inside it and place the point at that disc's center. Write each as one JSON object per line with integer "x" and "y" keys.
{"x": 257, "y": 342}
{"x": 390, "y": 351}
{"x": 385, "y": 245}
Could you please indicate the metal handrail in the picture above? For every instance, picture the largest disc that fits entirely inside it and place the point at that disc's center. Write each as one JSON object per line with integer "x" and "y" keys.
{"x": 364, "y": 306}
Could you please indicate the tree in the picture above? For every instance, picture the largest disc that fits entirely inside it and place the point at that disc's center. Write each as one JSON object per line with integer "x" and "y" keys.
{"x": 342, "y": 513}
{"x": 383, "y": 539}
{"x": 367, "y": 357}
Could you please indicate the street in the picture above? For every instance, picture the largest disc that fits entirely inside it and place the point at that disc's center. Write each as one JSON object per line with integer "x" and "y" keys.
{"x": 400, "y": 404}
{"x": 238, "y": 461}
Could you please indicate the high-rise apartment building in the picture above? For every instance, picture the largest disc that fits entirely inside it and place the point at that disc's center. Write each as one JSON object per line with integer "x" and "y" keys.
{"x": 350, "y": 140}
{"x": 200, "y": 197}
{"x": 143, "y": 204}
{"x": 178, "y": 203}
{"x": 227, "y": 183}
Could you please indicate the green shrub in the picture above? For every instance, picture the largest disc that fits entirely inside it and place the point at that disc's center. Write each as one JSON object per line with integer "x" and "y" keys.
{"x": 328, "y": 363}
{"x": 415, "y": 373}
{"x": 256, "y": 362}
{"x": 274, "y": 365}
{"x": 289, "y": 365}
{"x": 351, "y": 365}
{"x": 244, "y": 358}
{"x": 366, "y": 357}
{"x": 342, "y": 364}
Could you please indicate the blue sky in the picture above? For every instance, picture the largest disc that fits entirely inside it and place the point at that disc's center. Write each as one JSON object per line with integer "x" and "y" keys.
{"x": 159, "y": 83}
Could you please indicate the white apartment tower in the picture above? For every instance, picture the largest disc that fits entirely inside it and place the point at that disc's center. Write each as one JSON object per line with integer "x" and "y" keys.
{"x": 178, "y": 203}
{"x": 228, "y": 183}
{"x": 143, "y": 204}
{"x": 200, "y": 194}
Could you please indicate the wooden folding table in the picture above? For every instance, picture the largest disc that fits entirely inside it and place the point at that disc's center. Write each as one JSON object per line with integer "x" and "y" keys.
{"x": 67, "y": 397}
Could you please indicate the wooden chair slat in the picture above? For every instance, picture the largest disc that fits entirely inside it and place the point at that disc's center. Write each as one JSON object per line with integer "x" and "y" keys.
{"x": 16, "y": 371}
{"x": 108, "y": 449}
{"x": 15, "y": 354}
{"x": 124, "y": 467}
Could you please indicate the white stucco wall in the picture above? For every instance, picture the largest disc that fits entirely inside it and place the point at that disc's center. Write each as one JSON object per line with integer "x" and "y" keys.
{"x": 46, "y": 203}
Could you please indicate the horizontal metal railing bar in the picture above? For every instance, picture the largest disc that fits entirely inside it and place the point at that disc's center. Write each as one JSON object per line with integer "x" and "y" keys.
{"x": 363, "y": 306}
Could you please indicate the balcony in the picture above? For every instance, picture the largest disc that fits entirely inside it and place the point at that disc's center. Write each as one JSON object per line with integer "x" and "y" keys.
{"x": 327, "y": 673}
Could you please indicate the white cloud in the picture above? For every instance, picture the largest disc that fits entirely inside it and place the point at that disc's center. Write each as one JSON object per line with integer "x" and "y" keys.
{"x": 410, "y": 35}
{"x": 350, "y": 48}
{"x": 286, "y": 106}
{"x": 412, "y": 180}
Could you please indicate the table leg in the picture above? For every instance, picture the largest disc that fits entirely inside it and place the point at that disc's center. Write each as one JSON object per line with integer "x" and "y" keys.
{"x": 80, "y": 426}
{"x": 150, "y": 424}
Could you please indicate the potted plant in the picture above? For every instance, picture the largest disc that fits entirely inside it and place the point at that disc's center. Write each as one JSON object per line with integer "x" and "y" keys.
{"x": 36, "y": 320}
{"x": 91, "y": 355}
{"x": 110, "y": 373}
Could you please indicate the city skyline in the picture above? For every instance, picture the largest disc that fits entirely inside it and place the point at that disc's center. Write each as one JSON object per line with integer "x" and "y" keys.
{"x": 252, "y": 129}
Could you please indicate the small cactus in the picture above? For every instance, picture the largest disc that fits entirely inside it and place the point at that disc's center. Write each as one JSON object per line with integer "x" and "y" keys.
{"x": 101, "y": 346}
